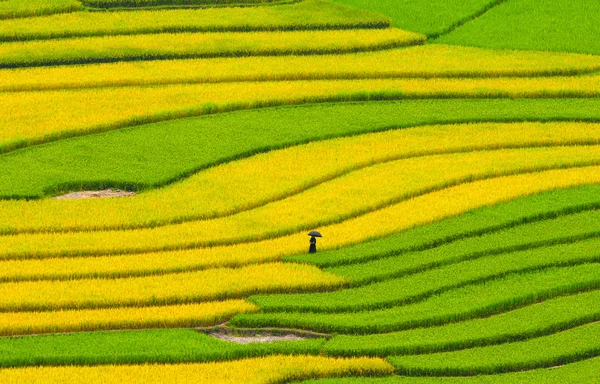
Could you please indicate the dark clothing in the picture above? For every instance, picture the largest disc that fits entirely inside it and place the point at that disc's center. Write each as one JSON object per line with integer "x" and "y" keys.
{"x": 313, "y": 245}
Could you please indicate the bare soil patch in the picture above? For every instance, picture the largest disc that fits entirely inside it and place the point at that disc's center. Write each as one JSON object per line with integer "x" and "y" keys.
{"x": 257, "y": 338}
{"x": 104, "y": 194}
{"x": 259, "y": 335}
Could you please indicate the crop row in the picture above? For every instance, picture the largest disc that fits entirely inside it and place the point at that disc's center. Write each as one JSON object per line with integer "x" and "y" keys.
{"x": 248, "y": 183}
{"x": 541, "y": 319}
{"x": 345, "y": 205}
{"x": 153, "y": 155}
{"x": 427, "y": 61}
{"x": 530, "y": 209}
{"x": 419, "y": 285}
{"x": 486, "y": 220}
{"x": 168, "y": 316}
{"x": 307, "y": 14}
{"x": 181, "y": 288}
{"x": 139, "y": 347}
{"x": 546, "y": 351}
{"x": 56, "y": 114}
{"x": 266, "y": 370}
{"x": 199, "y": 45}
{"x": 581, "y": 372}
{"x": 565, "y": 229}
{"x": 130, "y": 347}
{"x": 158, "y": 3}
{"x": 18, "y": 8}
{"x": 471, "y": 301}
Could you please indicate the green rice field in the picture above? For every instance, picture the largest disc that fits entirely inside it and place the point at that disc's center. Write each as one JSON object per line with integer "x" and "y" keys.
{"x": 162, "y": 162}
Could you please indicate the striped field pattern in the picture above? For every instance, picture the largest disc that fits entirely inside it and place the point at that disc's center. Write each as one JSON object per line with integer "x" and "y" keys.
{"x": 457, "y": 189}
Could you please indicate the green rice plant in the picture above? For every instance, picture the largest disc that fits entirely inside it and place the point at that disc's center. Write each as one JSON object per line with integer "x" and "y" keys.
{"x": 139, "y": 347}
{"x": 338, "y": 201}
{"x": 200, "y": 45}
{"x": 524, "y": 24}
{"x": 417, "y": 286}
{"x": 544, "y": 318}
{"x": 156, "y": 154}
{"x": 60, "y": 114}
{"x": 562, "y": 230}
{"x": 304, "y": 15}
{"x": 445, "y": 233}
{"x": 547, "y": 351}
{"x": 472, "y": 301}
{"x": 585, "y": 371}
{"x": 432, "y": 17}
{"x": 10, "y": 9}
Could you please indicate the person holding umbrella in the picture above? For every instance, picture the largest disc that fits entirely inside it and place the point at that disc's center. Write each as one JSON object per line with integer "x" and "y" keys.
{"x": 313, "y": 241}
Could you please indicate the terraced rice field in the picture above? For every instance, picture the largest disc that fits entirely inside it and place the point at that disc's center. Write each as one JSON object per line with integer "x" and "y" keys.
{"x": 448, "y": 152}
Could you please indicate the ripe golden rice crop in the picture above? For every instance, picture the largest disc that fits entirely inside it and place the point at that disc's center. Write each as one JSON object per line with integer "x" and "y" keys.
{"x": 341, "y": 198}
{"x": 178, "y": 288}
{"x": 187, "y": 315}
{"x": 187, "y": 45}
{"x": 265, "y": 370}
{"x": 251, "y": 182}
{"x": 33, "y": 117}
{"x": 307, "y": 14}
{"x": 420, "y": 61}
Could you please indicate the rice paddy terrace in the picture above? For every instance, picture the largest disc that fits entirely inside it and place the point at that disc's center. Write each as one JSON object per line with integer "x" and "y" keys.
{"x": 448, "y": 151}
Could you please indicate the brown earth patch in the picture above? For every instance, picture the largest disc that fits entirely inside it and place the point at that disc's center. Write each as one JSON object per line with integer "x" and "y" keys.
{"x": 104, "y": 194}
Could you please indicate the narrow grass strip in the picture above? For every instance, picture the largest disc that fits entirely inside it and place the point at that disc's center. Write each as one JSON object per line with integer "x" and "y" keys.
{"x": 304, "y": 15}
{"x": 477, "y": 300}
{"x": 542, "y": 319}
{"x": 59, "y": 114}
{"x": 427, "y": 61}
{"x": 214, "y": 284}
{"x": 199, "y": 45}
{"x": 546, "y": 351}
{"x": 169, "y": 316}
{"x": 248, "y": 183}
{"x": 585, "y": 371}
{"x": 139, "y": 347}
{"x": 417, "y": 286}
{"x": 266, "y": 370}
{"x": 339, "y": 201}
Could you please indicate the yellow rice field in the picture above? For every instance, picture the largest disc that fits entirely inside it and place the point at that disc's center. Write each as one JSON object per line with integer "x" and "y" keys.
{"x": 420, "y": 210}
{"x": 40, "y": 116}
{"x": 175, "y": 45}
{"x": 301, "y": 15}
{"x": 187, "y": 315}
{"x": 338, "y": 199}
{"x": 420, "y": 61}
{"x": 179, "y": 288}
{"x": 250, "y": 182}
{"x": 249, "y": 371}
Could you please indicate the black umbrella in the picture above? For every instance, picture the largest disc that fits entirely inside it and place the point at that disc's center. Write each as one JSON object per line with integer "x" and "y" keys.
{"x": 314, "y": 234}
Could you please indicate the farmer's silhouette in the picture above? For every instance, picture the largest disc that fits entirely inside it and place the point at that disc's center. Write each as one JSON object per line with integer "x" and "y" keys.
{"x": 313, "y": 241}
